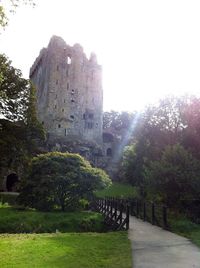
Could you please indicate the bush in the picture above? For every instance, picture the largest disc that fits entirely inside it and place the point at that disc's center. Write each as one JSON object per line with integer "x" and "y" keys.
{"x": 60, "y": 180}
{"x": 175, "y": 177}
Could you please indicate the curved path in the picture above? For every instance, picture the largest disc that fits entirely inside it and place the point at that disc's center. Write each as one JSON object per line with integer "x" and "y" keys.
{"x": 154, "y": 247}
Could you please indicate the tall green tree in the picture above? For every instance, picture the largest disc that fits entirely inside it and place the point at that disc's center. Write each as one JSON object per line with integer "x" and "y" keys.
{"x": 60, "y": 179}
{"x": 20, "y": 130}
{"x": 14, "y": 91}
{"x": 175, "y": 177}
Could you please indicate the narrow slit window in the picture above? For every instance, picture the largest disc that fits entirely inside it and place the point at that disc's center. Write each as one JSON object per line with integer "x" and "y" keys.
{"x": 59, "y": 125}
{"x": 91, "y": 116}
{"x": 109, "y": 152}
{"x": 69, "y": 60}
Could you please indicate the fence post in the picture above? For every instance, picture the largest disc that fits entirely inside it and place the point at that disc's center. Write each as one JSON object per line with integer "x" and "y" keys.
{"x": 120, "y": 213}
{"x": 127, "y": 216}
{"x": 144, "y": 211}
{"x": 153, "y": 213}
{"x": 116, "y": 205}
{"x": 165, "y": 225}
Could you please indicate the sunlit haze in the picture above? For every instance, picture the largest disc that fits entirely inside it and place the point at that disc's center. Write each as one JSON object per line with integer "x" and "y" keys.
{"x": 147, "y": 49}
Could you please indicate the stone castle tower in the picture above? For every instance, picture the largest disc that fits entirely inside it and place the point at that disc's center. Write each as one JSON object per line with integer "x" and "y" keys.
{"x": 69, "y": 92}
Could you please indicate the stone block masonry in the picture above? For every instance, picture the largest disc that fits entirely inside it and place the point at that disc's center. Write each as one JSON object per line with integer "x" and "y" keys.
{"x": 69, "y": 92}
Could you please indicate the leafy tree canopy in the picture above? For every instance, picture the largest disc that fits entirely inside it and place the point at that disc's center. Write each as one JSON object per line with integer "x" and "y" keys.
{"x": 175, "y": 177}
{"x": 60, "y": 179}
{"x": 14, "y": 91}
{"x": 117, "y": 120}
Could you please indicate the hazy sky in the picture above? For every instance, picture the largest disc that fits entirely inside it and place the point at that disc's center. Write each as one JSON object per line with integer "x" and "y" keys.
{"x": 147, "y": 48}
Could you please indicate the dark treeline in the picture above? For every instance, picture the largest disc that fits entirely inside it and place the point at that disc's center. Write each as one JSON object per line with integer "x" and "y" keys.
{"x": 162, "y": 158}
{"x": 20, "y": 131}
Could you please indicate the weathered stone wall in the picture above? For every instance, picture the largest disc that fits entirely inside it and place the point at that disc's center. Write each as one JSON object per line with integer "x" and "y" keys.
{"x": 69, "y": 92}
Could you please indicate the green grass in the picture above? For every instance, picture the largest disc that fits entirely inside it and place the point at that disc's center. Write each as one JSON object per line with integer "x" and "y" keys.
{"x": 185, "y": 227}
{"x": 31, "y": 221}
{"x": 118, "y": 190}
{"x": 84, "y": 250}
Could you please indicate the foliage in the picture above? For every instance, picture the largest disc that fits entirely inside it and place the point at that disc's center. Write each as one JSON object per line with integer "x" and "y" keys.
{"x": 13, "y": 144}
{"x": 20, "y": 131}
{"x": 117, "y": 120}
{"x": 76, "y": 250}
{"x": 14, "y": 91}
{"x": 60, "y": 179}
{"x": 19, "y": 220}
{"x": 175, "y": 177}
{"x": 183, "y": 226}
{"x": 19, "y": 140}
{"x": 174, "y": 120}
{"x": 11, "y": 5}
{"x": 119, "y": 190}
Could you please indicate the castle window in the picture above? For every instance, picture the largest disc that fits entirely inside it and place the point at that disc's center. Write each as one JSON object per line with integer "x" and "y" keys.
{"x": 42, "y": 122}
{"x": 72, "y": 117}
{"x": 57, "y": 67}
{"x": 69, "y": 60}
{"x": 67, "y": 85}
{"x": 56, "y": 96}
{"x": 62, "y": 110}
{"x": 65, "y": 132}
{"x": 107, "y": 137}
{"x": 91, "y": 116}
{"x": 72, "y": 100}
{"x": 109, "y": 152}
{"x": 59, "y": 125}
{"x": 72, "y": 91}
{"x": 64, "y": 100}
{"x": 56, "y": 82}
{"x": 84, "y": 116}
{"x": 55, "y": 106}
{"x": 90, "y": 125}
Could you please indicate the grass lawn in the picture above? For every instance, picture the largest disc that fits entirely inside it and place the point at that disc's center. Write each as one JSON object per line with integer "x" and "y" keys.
{"x": 31, "y": 221}
{"x": 84, "y": 250}
{"x": 184, "y": 227}
{"x": 118, "y": 190}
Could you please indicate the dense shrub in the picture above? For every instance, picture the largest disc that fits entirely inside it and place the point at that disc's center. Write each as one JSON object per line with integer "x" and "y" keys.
{"x": 60, "y": 180}
{"x": 175, "y": 177}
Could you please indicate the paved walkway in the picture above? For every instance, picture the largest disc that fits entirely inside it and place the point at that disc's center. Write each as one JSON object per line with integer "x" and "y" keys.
{"x": 154, "y": 247}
